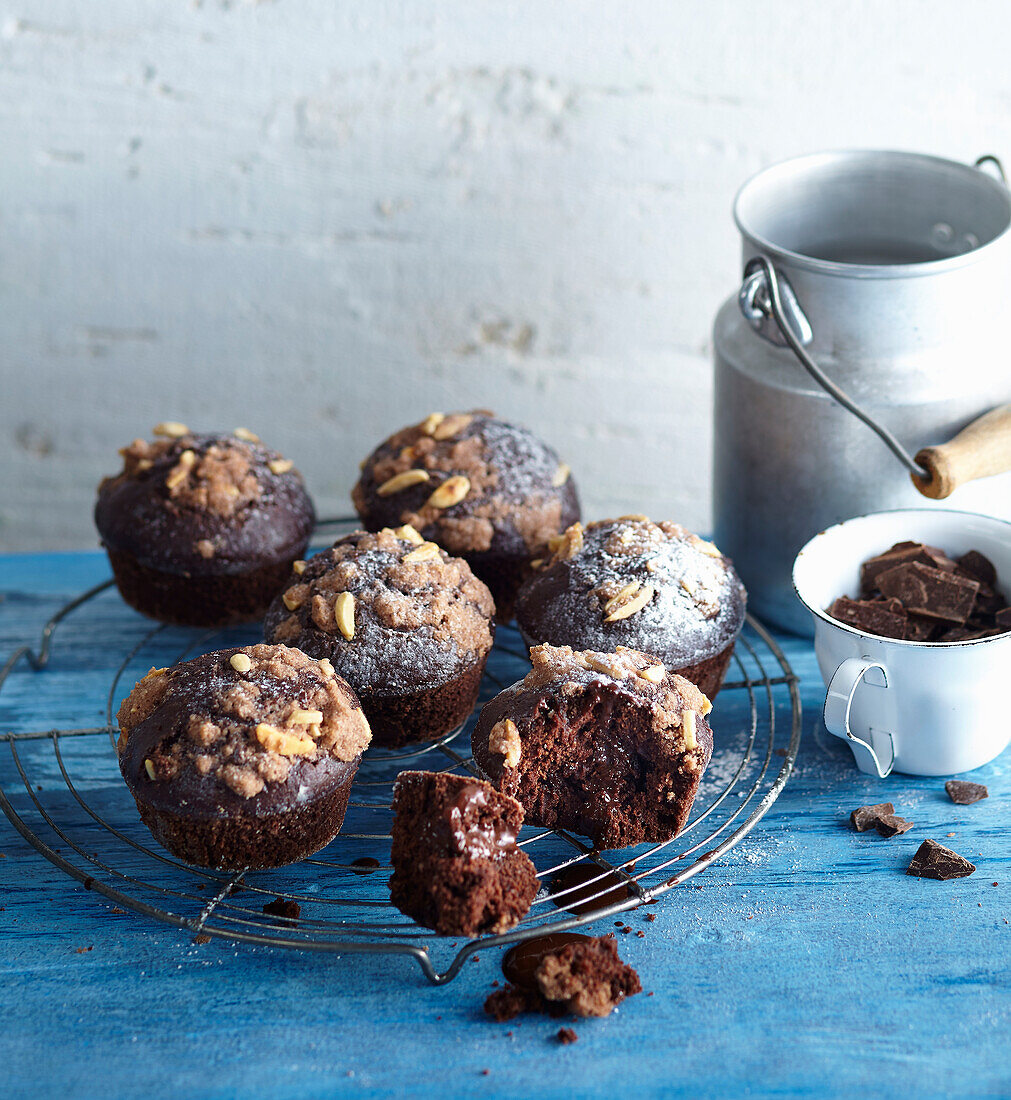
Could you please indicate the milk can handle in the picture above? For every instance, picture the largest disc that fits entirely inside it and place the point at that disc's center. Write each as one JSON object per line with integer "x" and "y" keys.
{"x": 763, "y": 296}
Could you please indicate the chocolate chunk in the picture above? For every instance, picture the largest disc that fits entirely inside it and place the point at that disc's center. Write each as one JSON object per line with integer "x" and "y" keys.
{"x": 988, "y": 602}
{"x": 866, "y": 817}
{"x": 933, "y": 860}
{"x": 876, "y": 617}
{"x": 919, "y": 629}
{"x": 902, "y": 553}
{"x": 965, "y": 634}
{"x": 978, "y": 567}
{"x": 930, "y": 592}
{"x": 566, "y": 1035}
{"x": 890, "y": 825}
{"x": 1003, "y": 618}
{"x": 964, "y": 793}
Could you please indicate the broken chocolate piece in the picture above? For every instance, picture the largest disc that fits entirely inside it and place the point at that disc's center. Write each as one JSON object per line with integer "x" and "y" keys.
{"x": 890, "y": 825}
{"x": 964, "y": 793}
{"x": 1003, "y": 618}
{"x": 874, "y": 616}
{"x": 865, "y": 817}
{"x": 920, "y": 629}
{"x": 902, "y": 553}
{"x": 978, "y": 567}
{"x": 933, "y": 860}
{"x": 930, "y": 592}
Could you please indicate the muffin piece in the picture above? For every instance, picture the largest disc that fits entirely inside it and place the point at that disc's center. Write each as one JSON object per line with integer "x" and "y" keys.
{"x": 581, "y": 977}
{"x": 609, "y": 745}
{"x": 244, "y": 757}
{"x": 408, "y": 626}
{"x": 202, "y": 529}
{"x": 456, "y": 867}
{"x": 652, "y": 586}
{"x": 489, "y": 491}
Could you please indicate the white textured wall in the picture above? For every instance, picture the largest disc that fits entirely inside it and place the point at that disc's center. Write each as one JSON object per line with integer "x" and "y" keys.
{"x": 325, "y": 218}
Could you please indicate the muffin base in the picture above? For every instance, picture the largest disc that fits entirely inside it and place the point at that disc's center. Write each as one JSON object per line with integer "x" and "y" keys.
{"x": 239, "y": 842}
{"x": 427, "y": 715}
{"x": 708, "y": 675}
{"x": 218, "y": 600}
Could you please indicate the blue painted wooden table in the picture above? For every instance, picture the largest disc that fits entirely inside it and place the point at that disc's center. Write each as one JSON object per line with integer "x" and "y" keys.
{"x": 804, "y": 963}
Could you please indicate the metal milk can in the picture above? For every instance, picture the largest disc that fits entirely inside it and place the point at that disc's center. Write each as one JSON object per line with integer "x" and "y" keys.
{"x": 853, "y": 368}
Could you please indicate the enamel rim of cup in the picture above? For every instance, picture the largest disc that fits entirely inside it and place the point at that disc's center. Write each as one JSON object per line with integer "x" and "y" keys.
{"x": 825, "y": 617}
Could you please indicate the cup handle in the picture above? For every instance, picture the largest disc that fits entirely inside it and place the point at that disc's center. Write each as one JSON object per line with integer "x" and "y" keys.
{"x": 876, "y": 759}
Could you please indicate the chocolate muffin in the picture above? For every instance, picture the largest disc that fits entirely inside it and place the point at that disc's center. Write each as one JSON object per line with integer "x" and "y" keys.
{"x": 202, "y": 529}
{"x": 408, "y": 626}
{"x": 609, "y": 745}
{"x": 244, "y": 757}
{"x": 456, "y": 867}
{"x": 650, "y": 586}
{"x": 489, "y": 491}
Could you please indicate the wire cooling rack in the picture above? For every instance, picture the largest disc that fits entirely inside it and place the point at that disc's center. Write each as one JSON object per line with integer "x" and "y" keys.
{"x": 62, "y": 791}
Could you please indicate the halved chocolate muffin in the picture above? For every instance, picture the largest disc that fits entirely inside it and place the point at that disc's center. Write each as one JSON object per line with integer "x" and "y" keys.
{"x": 489, "y": 491}
{"x": 406, "y": 624}
{"x": 243, "y": 757}
{"x": 202, "y": 529}
{"x": 609, "y": 745}
{"x": 456, "y": 866}
{"x": 654, "y": 587}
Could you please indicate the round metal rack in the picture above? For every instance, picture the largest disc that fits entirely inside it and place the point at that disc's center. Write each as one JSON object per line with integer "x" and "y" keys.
{"x": 61, "y": 790}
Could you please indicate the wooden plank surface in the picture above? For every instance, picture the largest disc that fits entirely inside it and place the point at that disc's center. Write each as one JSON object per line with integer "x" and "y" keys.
{"x": 804, "y": 963}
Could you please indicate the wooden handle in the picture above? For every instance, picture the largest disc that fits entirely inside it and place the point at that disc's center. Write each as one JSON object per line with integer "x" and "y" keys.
{"x": 979, "y": 450}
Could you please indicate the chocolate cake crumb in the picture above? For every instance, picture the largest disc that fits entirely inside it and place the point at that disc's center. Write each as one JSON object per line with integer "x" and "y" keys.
{"x": 651, "y": 917}
{"x": 865, "y": 817}
{"x": 933, "y": 860}
{"x": 964, "y": 793}
{"x": 283, "y": 907}
{"x": 583, "y": 976}
{"x": 201, "y": 938}
{"x": 566, "y": 1035}
{"x": 509, "y": 1001}
{"x": 587, "y": 979}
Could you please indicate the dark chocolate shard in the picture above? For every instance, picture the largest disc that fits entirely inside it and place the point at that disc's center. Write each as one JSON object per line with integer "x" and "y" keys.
{"x": 920, "y": 629}
{"x": 988, "y": 602}
{"x": 890, "y": 825}
{"x": 978, "y": 567}
{"x": 902, "y": 553}
{"x": 964, "y": 793}
{"x": 866, "y": 817}
{"x": 1003, "y": 618}
{"x": 874, "y": 616}
{"x": 930, "y": 592}
{"x": 933, "y": 860}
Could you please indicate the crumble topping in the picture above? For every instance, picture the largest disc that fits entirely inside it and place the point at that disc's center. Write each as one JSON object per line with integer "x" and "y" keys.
{"x": 512, "y": 481}
{"x": 388, "y": 582}
{"x": 219, "y": 474}
{"x": 243, "y": 717}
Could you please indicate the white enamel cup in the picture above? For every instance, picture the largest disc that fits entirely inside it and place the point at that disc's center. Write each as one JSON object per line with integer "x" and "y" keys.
{"x": 923, "y": 708}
